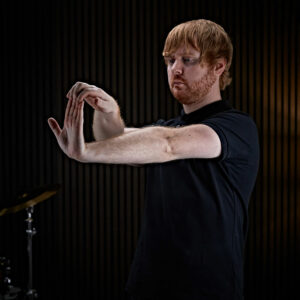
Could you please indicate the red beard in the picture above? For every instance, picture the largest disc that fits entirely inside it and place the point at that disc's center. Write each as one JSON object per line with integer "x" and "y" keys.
{"x": 194, "y": 92}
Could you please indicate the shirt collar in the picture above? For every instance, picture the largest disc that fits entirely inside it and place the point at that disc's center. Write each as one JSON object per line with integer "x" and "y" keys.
{"x": 205, "y": 111}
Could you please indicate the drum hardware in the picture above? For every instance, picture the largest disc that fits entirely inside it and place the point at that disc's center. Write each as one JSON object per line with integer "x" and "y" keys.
{"x": 29, "y": 200}
{"x": 7, "y": 290}
{"x": 31, "y": 231}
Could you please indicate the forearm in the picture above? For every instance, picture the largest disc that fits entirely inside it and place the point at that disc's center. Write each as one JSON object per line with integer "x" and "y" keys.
{"x": 147, "y": 145}
{"x": 107, "y": 125}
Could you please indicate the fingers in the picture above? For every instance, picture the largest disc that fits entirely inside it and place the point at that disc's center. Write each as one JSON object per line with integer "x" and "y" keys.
{"x": 79, "y": 115}
{"x": 73, "y": 113}
{"x": 81, "y": 90}
{"x": 89, "y": 92}
{"x": 95, "y": 102}
{"x": 54, "y": 127}
{"x": 94, "y": 96}
{"x": 73, "y": 89}
{"x": 67, "y": 113}
{"x": 77, "y": 88}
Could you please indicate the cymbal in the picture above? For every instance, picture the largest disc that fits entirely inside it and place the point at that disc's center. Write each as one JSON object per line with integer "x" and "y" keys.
{"x": 32, "y": 198}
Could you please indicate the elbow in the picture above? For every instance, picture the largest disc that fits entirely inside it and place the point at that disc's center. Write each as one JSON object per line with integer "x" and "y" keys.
{"x": 169, "y": 148}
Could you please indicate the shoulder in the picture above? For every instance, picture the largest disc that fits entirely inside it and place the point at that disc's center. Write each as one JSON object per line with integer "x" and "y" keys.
{"x": 233, "y": 120}
{"x": 232, "y": 115}
{"x": 237, "y": 132}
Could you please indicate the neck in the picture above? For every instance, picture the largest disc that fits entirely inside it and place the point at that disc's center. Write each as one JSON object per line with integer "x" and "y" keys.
{"x": 211, "y": 97}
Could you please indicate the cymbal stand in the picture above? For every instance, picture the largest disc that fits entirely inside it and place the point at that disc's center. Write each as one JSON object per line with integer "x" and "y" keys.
{"x": 30, "y": 293}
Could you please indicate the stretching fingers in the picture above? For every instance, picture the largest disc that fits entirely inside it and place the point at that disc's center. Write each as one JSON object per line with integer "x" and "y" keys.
{"x": 72, "y": 91}
{"x": 76, "y": 90}
{"x": 95, "y": 102}
{"x": 77, "y": 114}
{"x": 67, "y": 113}
{"x": 73, "y": 112}
{"x": 80, "y": 114}
{"x": 90, "y": 91}
{"x": 97, "y": 98}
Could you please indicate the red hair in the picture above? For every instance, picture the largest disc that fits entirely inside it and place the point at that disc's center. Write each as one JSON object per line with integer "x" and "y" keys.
{"x": 207, "y": 37}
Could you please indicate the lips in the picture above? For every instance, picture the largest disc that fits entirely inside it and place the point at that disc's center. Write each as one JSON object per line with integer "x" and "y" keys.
{"x": 177, "y": 82}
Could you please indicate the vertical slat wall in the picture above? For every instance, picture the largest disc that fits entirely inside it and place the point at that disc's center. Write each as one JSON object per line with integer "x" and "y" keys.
{"x": 87, "y": 233}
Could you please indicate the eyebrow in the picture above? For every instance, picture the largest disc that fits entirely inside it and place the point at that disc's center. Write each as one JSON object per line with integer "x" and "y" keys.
{"x": 184, "y": 55}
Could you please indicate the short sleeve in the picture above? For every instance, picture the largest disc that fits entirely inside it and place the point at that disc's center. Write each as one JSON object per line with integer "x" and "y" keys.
{"x": 238, "y": 135}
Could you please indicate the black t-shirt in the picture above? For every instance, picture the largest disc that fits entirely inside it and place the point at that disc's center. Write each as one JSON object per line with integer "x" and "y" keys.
{"x": 196, "y": 214}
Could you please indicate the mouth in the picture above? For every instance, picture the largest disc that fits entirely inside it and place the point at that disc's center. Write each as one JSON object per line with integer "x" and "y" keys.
{"x": 178, "y": 86}
{"x": 177, "y": 83}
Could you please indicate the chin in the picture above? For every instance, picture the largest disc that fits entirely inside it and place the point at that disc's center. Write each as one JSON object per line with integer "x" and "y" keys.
{"x": 182, "y": 97}
{"x": 184, "y": 100}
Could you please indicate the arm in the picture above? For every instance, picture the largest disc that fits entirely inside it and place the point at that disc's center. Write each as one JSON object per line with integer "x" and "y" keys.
{"x": 107, "y": 125}
{"x": 107, "y": 121}
{"x": 146, "y": 145}
{"x": 155, "y": 145}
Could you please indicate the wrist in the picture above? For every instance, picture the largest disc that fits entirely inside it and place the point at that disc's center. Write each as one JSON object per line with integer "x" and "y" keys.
{"x": 81, "y": 156}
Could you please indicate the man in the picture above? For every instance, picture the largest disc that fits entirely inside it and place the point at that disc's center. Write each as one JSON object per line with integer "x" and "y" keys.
{"x": 201, "y": 169}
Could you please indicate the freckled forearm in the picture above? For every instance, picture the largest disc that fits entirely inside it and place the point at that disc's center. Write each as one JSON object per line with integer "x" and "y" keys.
{"x": 147, "y": 145}
{"x": 107, "y": 125}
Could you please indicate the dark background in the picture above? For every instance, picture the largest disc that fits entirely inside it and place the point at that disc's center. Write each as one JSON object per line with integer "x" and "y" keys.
{"x": 87, "y": 233}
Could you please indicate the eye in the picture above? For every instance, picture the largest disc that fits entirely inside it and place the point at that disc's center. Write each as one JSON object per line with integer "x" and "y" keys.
{"x": 189, "y": 61}
{"x": 186, "y": 60}
{"x": 169, "y": 60}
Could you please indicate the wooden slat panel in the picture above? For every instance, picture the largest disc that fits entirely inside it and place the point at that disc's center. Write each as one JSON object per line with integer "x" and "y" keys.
{"x": 87, "y": 234}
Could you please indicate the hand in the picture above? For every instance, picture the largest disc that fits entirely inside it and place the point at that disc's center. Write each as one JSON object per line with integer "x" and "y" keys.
{"x": 94, "y": 96}
{"x": 70, "y": 138}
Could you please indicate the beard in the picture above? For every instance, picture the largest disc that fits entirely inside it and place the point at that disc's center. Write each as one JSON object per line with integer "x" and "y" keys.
{"x": 196, "y": 91}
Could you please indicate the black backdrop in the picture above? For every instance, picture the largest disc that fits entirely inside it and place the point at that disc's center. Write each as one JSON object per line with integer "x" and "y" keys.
{"x": 87, "y": 233}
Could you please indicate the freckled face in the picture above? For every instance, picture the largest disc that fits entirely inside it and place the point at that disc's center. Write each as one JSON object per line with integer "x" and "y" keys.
{"x": 189, "y": 81}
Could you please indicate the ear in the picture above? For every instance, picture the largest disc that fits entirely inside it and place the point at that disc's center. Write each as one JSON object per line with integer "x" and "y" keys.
{"x": 219, "y": 66}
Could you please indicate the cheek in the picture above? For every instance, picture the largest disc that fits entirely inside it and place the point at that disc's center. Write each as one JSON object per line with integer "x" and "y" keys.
{"x": 194, "y": 75}
{"x": 169, "y": 75}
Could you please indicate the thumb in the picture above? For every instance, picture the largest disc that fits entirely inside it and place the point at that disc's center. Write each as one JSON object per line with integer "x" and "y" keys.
{"x": 94, "y": 102}
{"x": 54, "y": 126}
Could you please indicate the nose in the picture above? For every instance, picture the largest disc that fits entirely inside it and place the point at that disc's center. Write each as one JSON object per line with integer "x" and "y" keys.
{"x": 177, "y": 67}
